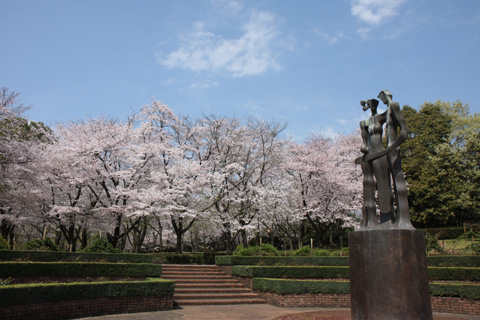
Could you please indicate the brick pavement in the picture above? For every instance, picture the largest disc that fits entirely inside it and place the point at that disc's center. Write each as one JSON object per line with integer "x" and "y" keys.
{"x": 253, "y": 312}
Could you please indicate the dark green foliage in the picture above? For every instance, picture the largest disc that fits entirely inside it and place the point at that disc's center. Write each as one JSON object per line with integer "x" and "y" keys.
{"x": 101, "y": 245}
{"x": 304, "y": 251}
{"x": 264, "y": 250}
{"x": 38, "y": 293}
{"x": 283, "y": 286}
{"x": 292, "y": 261}
{"x": 41, "y": 245}
{"x": 184, "y": 258}
{"x": 464, "y": 291}
{"x": 432, "y": 244}
{"x": 4, "y": 244}
{"x": 469, "y": 235}
{"x": 444, "y": 233}
{"x": 87, "y": 269}
{"x": 475, "y": 247}
{"x": 74, "y": 256}
{"x": 319, "y": 272}
{"x": 454, "y": 261}
{"x": 456, "y": 273}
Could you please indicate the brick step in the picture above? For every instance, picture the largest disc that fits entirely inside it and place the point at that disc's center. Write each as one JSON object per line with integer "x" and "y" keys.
{"x": 208, "y": 285}
{"x": 181, "y": 272}
{"x": 218, "y": 302}
{"x": 212, "y": 290}
{"x": 189, "y": 267}
{"x": 193, "y": 277}
{"x": 201, "y": 281}
{"x": 215, "y": 296}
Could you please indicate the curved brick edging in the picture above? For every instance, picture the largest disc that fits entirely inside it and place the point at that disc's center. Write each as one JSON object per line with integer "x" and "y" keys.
{"x": 86, "y": 307}
{"x": 439, "y": 304}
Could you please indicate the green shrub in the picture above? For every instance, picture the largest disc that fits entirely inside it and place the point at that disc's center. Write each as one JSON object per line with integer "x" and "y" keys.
{"x": 264, "y": 250}
{"x": 290, "y": 261}
{"x": 431, "y": 243}
{"x": 454, "y": 261}
{"x": 475, "y": 247}
{"x": 283, "y": 286}
{"x": 23, "y": 294}
{"x": 444, "y": 233}
{"x": 74, "y": 256}
{"x": 469, "y": 235}
{"x": 4, "y": 244}
{"x": 101, "y": 245}
{"x": 455, "y": 273}
{"x": 464, "y": 291}
{"x": 41, "y": 245}
{"x": 80, "y": 269}
{"x": 321, "y": 253}
{"x": 304, "y": 251}
{"x": 318, "y": 272}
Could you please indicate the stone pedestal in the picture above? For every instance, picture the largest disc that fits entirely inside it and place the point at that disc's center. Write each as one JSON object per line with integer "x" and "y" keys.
{"x": 388, "y": 275}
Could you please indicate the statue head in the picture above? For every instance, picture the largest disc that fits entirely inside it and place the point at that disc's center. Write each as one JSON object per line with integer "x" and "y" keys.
{"x": 369, "y": 104}
{"x": 385, "y": 96}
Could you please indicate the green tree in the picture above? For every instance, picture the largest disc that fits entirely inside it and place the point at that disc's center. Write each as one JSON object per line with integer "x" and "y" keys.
{"x": 440, "y": 164}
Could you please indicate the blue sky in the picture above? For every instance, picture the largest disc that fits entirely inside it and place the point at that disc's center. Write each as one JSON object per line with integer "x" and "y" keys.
{"x": 306, "y": 62}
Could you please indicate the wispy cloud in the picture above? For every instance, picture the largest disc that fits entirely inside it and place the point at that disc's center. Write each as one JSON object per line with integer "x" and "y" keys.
{"x": 203, "y": 84}
{"x": 250, "y": 54}
{"x": 332, "y": 38}
{"x": 375, "y": 12}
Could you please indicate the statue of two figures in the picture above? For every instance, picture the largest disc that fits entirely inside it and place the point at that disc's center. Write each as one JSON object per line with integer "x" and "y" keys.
{"x": 383, "y": 183}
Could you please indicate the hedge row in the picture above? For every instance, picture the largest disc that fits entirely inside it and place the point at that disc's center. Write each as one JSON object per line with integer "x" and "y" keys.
{"x": 23, "y": 294}
{"x": 326, "y": 272}
{"x": 86, "y": 269}
{"x": 434, "y": 261}
{"x": 456, "y": 273}
{"x": 454, "y": 261}
{"x": 445, "y": 233}
{"x": 8, "y": 255}
{"x": 292, "y": 261}
{"x": 283, "y": 286}
{"x": 184, "y": 258}
{"x": 319, "y": 272}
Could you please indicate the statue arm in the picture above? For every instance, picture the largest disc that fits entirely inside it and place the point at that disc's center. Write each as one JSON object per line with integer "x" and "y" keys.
{"x": 364, "y": 147}
{"x": 395, "y": 109}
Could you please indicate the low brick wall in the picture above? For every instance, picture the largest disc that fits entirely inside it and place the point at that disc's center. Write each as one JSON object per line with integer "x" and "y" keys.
{"x": 307, "y": 300}
{"x": 439, "y": 304}
{"x": 86, "y": 308}
{"x": 456, "y": 305}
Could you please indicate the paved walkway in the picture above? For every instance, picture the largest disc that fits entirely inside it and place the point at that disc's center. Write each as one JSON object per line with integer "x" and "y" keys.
{"x": 253, "y": 312}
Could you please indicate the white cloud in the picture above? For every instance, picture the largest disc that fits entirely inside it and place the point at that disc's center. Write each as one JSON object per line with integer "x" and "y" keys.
{"x": 231, "y": 6}
{"x": 301, "y": 108}
{"x": 203, "y": 84}
{"x": 250, "y": 54}
{"x": 332, "y": 38}
{"x": 375, "y": 12}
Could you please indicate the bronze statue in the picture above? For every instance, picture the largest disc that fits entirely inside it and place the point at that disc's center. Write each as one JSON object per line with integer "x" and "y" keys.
{"x": 382, "y": 167}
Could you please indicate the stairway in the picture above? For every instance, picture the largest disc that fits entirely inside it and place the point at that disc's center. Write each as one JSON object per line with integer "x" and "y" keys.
{"x": 206, "y": 285}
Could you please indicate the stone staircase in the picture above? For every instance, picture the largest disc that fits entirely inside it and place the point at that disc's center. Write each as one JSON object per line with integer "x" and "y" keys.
{"x": 206, "y": 285}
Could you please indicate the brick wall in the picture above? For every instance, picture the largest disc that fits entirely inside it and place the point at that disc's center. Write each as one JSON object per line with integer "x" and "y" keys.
{"x": 87, "y": 307}
{"x": 439, "y": 304}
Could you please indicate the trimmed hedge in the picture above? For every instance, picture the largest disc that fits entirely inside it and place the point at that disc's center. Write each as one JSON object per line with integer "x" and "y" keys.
{"x": 434, "y": 261}
{"x": 444, "y": 233}
{"x": 283, "y": 286}
{"x": 7, "y": 255}
{"x": 271, "y": 261}
{"x": 325, "y": 272}
{"x": 464, "y": 291}
{"x": 319, "y": 272}
{"x": 87, "y": 269}
{"x": 456, "y": 273}
{"x": 454, "y": 261}
{"x": 24, "y": 294}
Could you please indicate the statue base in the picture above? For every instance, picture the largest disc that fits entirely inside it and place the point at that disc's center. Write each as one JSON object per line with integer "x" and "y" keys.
{"x": 388, "y": 275}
